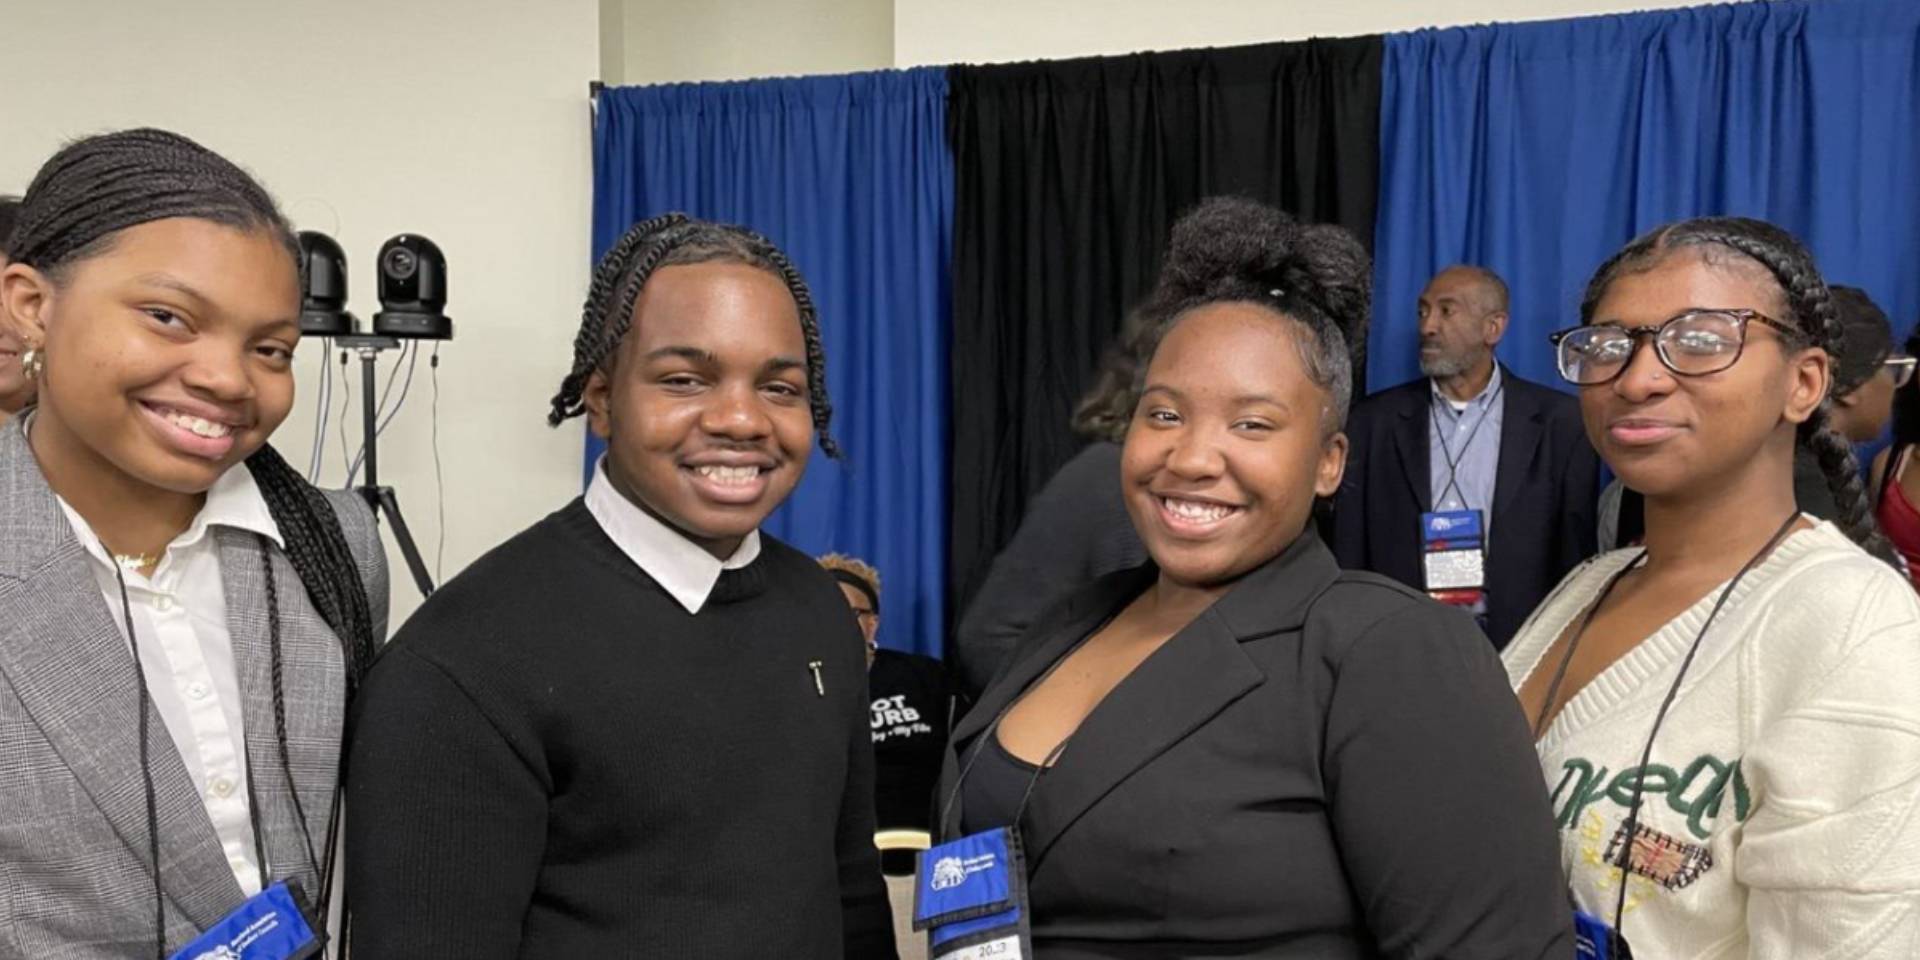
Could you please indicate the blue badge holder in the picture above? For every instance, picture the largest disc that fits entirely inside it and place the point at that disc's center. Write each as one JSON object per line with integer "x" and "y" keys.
{"x": 271, "y": 925}
{"x": 1593, "y": 939}
{"x": 971, "y": 894}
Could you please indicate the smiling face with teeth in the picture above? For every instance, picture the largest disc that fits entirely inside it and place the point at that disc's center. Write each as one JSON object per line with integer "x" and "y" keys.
{"x": 1229, "y": 445}
{"x": 168, "y": 354}
{"x": 704, "y": 405}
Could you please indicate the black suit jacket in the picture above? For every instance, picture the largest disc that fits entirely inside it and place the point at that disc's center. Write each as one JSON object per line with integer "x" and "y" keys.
{"x": 1545, "y": 495}
{"x": 1323, "y": 764}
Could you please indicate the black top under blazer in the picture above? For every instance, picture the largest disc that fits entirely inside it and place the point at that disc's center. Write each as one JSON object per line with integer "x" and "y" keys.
{"x": 1323, "y": 764}
{"x": 1546, "y": 494}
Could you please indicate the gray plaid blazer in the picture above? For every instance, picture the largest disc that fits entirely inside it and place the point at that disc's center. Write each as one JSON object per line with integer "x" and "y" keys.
{"x": 75, "y": 875}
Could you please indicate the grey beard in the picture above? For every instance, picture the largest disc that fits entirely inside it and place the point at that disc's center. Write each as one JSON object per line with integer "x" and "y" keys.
{"x": 1444, "y": 365}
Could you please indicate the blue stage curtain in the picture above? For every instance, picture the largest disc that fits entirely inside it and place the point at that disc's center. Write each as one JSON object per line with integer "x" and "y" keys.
{"x": 851, "y": 176}
{"x": 1538, "y": 149}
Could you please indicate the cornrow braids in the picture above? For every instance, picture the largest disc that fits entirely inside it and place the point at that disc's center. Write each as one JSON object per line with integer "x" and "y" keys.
{"x": 98, "y": 186}
{"x": 1811, "y": 311}
{"x": 675, "y": 239}
{"x": 77, "y": 205}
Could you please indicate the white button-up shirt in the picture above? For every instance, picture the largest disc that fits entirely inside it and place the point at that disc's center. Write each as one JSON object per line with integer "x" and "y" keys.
{"x": 186, "y": 650}
{"x": 681, "y": 567}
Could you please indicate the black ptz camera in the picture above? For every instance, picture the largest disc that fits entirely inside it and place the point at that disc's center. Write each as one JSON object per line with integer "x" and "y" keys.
{"x": 413, "y": 290}
{"x": 323, "y": 298}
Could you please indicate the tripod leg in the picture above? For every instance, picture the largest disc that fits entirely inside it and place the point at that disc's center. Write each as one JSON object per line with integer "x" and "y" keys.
{"x": 390, "y": 504}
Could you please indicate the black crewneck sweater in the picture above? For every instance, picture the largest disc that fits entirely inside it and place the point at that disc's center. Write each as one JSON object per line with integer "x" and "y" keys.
{"x": 554, "y": 759}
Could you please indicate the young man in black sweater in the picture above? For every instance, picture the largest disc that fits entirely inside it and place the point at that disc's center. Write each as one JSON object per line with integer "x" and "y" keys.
{"x": 639, "y": 728}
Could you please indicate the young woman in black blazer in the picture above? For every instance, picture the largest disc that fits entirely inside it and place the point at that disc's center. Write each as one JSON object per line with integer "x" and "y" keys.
{"x": 1238, "y": 749}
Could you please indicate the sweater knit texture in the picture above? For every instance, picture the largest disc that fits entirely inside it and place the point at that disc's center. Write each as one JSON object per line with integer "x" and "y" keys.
{"x": 1780, "y": 815}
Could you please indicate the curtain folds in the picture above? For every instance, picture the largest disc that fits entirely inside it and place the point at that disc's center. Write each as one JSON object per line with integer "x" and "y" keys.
{"x": 1068, "y": 176}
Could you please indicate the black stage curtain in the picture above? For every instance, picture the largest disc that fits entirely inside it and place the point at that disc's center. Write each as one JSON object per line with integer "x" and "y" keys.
{"x": 1068, "y": 175}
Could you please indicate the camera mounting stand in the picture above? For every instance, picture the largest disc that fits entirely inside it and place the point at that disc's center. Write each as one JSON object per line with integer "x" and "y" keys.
{"x": 382, "y": 499}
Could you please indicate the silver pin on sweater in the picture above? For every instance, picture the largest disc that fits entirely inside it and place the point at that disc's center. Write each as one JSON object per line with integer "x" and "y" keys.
{"x": 819, "y": 685}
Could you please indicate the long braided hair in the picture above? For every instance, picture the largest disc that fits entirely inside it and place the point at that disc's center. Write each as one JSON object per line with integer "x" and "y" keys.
{"x": 74, "y": 209}
{"x": 676, "y": 239}
{"x": 1810, "y": 311}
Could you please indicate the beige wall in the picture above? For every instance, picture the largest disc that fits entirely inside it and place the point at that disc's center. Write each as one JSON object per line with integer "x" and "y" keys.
{"x": 993, "y": 31}
{"x": 667, "y": 41}
{"x": 674, "y": 40}
{"x": 465, "y": 120}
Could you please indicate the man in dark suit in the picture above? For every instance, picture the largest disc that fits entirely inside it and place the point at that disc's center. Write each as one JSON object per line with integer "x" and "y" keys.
{"x": 1469, "y": 437}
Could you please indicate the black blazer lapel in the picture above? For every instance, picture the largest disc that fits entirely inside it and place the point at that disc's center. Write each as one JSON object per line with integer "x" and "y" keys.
{"x": 1523, "y": 426}
{"x": 1181, "y": 686}
{"x": 1046, "y": 644}
{"x": 1409, "y": 428}
{"x": 1199, "y": 672}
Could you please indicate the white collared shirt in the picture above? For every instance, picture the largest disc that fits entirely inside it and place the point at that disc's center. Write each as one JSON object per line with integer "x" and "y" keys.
{"x": 680, "y": 566}
{"x": 186, "y": 650}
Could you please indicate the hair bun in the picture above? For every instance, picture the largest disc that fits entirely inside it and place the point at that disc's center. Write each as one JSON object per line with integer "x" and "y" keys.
{"x": 1236, "y": 241}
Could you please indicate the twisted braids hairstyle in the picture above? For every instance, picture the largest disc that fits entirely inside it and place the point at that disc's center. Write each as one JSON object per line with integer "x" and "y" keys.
{"x": 75, "y": 209}
{"x": 1810, "y": 310}
{"x": 1236, "y": 250}
{"x": 676, "y": 239}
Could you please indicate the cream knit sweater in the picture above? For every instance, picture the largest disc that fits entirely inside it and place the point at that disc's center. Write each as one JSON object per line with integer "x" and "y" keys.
{"x": 1781, "y": 810}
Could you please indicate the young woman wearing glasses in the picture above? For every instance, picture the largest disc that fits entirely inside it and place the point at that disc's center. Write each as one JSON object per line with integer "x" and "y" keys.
{"x": 1866, "y": 373}
{"x": 1725, "y": 716}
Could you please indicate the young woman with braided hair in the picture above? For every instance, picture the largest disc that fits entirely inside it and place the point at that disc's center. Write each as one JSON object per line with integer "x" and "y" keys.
{"x": 182, "y": 617}
{"x": 639, "y": 728}
{"x": 1725, "y": 715}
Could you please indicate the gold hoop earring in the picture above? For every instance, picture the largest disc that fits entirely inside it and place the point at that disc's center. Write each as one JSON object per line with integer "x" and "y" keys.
{"x": 33, "y": 362}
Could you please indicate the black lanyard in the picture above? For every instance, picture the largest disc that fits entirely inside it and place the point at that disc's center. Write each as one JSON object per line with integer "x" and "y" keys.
{"x": 143, "y": 702}
{"x": 1446, "y": 452}
{"x": 993, "y": 730}
{"x": 1553, "y": 690}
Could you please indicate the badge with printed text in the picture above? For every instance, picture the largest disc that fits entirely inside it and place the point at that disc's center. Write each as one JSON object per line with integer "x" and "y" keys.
{"x": 271, "y": 925}
{"x": 1453, "y": 553}
{"x": 971, "y": 894}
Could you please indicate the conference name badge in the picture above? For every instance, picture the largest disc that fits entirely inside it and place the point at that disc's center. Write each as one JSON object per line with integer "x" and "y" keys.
{"x": 270, "y": 926}
{"x": 971, "y": 893}
{"x": 1454, "y": 554}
